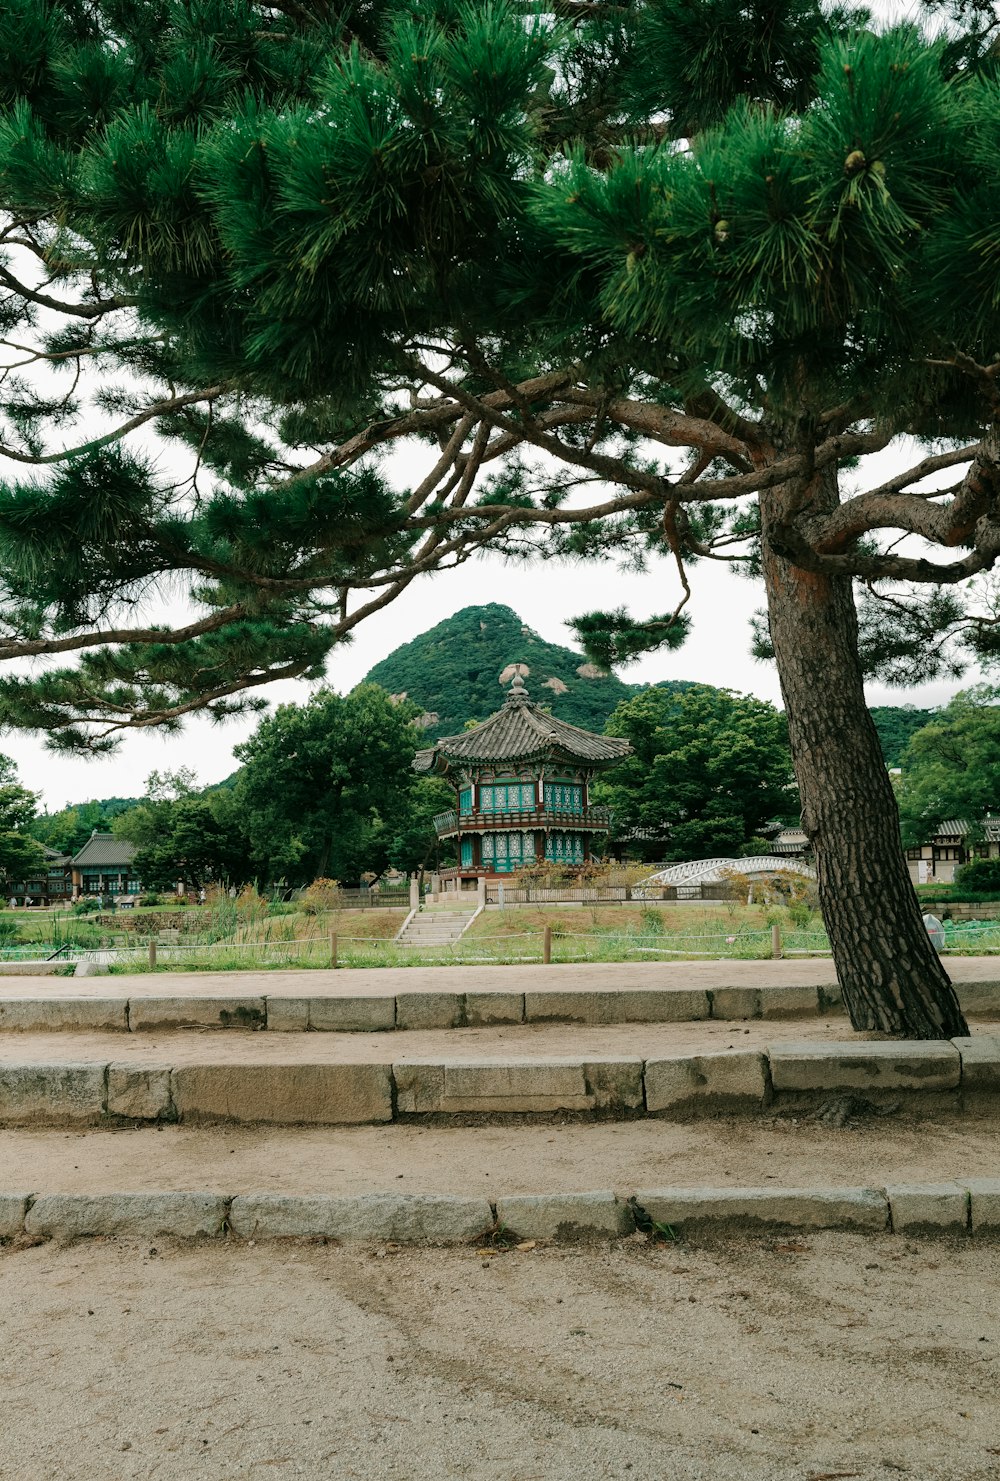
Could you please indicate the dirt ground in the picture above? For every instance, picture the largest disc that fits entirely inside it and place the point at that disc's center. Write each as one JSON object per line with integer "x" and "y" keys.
{"x": 493, "y": 1161}
{"x": 726, "y": 1359}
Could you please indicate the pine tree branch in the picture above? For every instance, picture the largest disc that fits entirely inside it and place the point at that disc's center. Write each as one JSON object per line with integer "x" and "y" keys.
{"x": 158, "y": 409}
{"x": 77, "y": 310}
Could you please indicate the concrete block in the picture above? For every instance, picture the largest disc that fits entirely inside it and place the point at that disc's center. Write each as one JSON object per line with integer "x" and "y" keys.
{"x": 531, "y": 1085}
{"x": 615, "y": 1084}
{"x": 564, "y": 1216}
{"x": 485, "y": 1008}
{"x": 146, "y": 1014}
{"x": 352, "y": 1015}
{"x": 90, "y": 969}
{"x": 283, "y": 1094}
{"x": 75, "y": 1215}
{"x": 830, "y": 998}
{"x": 613, "y": 1005}
{"x": 51, "y": 1094}
{"x": 984, "y": 1195}
{"x": 13, "y": 1207}
{"x": 980, "y": 1063}
{"x": 287, "y": 1015}
{"x": 733, "y": 1003}
{"x": 803, "y": 1208}
{"x": 419, "y": 1086}
{"x": 430, "y": 1009}
{"x": 865, "y": 1065}
{"x": 789, "y": 1002}
{"x": 406, "y": 1218}
{"x": 979, "y": 999}
{"x": 927, "y": 1205}
{"x": 724, "y": 1076}
{"x": 63, "y": 1015}
{"x": 140, "y": 1092}
{"x": 662, "y": 1005}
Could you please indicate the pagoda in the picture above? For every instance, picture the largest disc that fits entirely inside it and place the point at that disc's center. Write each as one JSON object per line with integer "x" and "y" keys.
{"x": 522, "y": 790}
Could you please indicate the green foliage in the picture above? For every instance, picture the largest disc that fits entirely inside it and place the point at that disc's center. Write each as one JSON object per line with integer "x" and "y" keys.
{"x": 981, "y": 876}
{"x": 67, "y": 830}
{"x": 325, "y": 787}
{"x": 896, "y": 724}
{"x": 184, "y": 837}
{"x": 951, "y": 767}
{"x": 708, "y": 768}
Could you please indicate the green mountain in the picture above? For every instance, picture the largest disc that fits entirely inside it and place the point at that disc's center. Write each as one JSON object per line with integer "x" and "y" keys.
{"x": 454, "y": 672}
{"x": 895, "y": 724}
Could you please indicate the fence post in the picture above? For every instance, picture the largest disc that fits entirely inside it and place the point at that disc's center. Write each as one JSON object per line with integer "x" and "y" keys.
{"x": 776, "y": 939}
{"x": 547, "y": 945}
{"x": 333, "y": 948}
{"x": 414, "y": 893}
{"x": 481, "y": 891}
{"x": 152, "y": 954}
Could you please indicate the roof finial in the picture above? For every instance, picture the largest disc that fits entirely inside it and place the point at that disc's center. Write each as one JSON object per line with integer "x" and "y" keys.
{"x": 517, "y": 690}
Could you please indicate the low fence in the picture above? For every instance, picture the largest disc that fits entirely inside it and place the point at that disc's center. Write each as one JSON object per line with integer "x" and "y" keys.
{"x": 498, "y": 948}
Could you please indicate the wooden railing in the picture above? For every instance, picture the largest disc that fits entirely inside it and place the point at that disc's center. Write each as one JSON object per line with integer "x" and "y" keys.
{"x": 597, "y": 818}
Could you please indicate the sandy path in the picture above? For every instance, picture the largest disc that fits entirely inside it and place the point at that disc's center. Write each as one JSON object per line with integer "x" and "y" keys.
{"x": 384, "y": 981}
{"x": 719, "y": 1360}
{"x": 527, "y": 1041}
{"x": 490, "y": 1161}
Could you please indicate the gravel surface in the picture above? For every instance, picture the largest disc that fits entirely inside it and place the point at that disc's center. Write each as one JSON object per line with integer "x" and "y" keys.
{"x": 733, "y": 1359}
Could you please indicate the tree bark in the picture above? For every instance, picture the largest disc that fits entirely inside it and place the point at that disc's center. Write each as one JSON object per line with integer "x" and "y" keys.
{"x": 890, "y": 974}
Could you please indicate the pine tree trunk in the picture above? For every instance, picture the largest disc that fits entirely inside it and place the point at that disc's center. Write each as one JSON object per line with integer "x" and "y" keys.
{"x": 890, "y": 974}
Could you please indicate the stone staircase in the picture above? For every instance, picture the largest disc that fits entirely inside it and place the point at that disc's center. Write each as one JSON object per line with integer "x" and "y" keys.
{"x": 434, "y": 926}
{"x": 455, "y": 1103}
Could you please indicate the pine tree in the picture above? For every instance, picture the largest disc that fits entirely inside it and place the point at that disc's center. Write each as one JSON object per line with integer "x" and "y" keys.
{"x": 631, "y": 279}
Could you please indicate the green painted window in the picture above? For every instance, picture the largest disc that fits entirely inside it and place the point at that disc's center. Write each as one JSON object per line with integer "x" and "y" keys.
{"x": 465, "y": 800}
{"x": 563, "y": 797}
{"x": 466, "y": 852}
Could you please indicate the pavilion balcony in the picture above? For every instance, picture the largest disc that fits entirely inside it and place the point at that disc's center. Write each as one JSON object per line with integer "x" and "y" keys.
{"x": 597, "y": 819}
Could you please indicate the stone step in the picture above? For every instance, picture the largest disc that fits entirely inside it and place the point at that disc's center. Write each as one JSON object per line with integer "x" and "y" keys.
{"x": 620, "y": 1072}
{"x": 446, "y": 1183}
{"x": 364, "y": 1000}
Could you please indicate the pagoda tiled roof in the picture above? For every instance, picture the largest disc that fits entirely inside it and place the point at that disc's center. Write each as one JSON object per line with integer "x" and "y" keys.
{"x": 522, "y": 731}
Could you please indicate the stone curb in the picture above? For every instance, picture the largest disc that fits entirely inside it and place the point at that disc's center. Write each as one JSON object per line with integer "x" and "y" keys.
{"x": 443, "y": 1009}
{"x": 420, "y": 1219}
{"x": 320, "y": 1093}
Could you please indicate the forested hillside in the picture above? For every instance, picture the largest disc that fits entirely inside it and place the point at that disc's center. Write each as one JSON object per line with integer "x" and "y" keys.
{"x": 453, "y": 672}
{"x": 895, "y": 724}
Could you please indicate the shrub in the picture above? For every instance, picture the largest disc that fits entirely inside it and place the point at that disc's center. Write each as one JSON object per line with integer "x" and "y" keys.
{"x": 150, "y": 900}
{"x": 982, "y": 875}
{"x": 322, "y": 894}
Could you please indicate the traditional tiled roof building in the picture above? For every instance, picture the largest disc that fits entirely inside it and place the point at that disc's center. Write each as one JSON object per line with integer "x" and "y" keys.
{"x": 104, "y": 867}
{"x": 522, "y": 783}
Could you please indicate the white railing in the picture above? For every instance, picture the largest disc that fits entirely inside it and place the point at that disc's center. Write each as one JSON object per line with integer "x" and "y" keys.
{"x": 714, "y": 871}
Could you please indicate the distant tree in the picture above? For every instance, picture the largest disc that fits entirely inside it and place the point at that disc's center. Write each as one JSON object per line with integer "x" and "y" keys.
{"x": 20, "y": 854}
{"x": 708, "y": 769}
{"x": 185, "y": 838}
{"x": 951, "y": 767}
{"x": 68, "y": 829}
{"x": 414, "y": 844}
{"x": 325, "y": 789}
{"x": 895, "y": 725}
